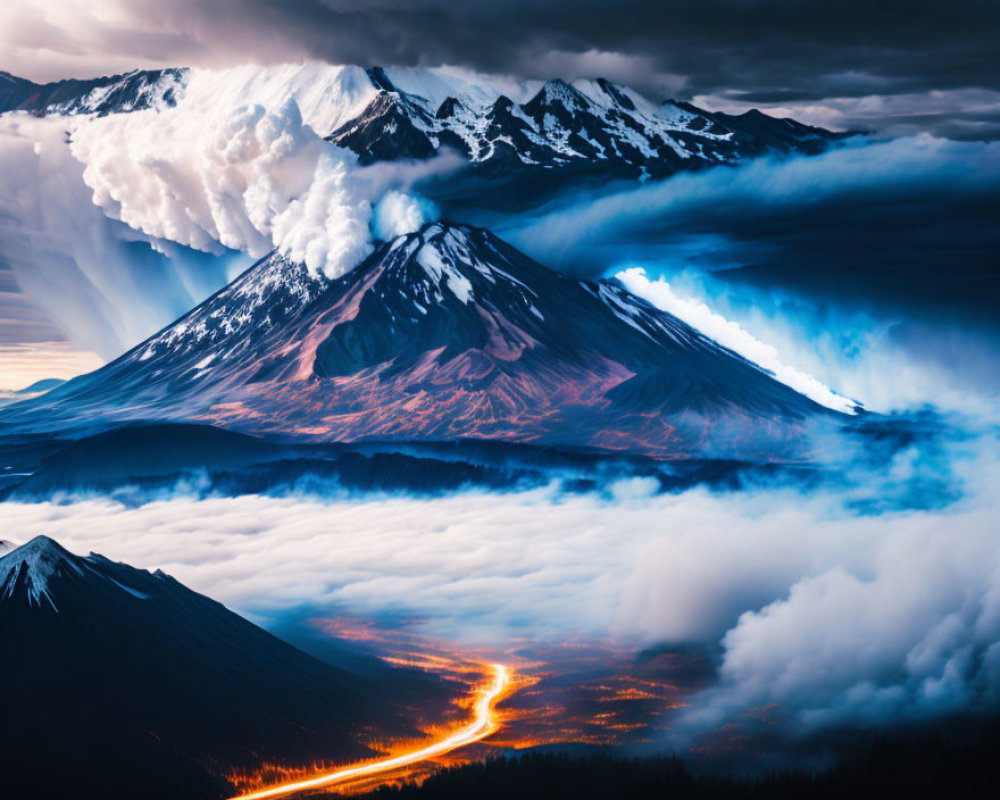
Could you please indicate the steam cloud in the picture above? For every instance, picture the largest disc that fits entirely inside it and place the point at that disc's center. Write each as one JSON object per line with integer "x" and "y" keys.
{"x": 100, "y": 281}
{"x": 245, "y": 179}
{"x": 398, "y": 214}
{"x": 235, "y": 165}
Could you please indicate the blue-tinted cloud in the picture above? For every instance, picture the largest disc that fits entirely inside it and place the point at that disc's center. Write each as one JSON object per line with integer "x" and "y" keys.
{"x": 830, "y": 613}
{"x": 874, "y": 260}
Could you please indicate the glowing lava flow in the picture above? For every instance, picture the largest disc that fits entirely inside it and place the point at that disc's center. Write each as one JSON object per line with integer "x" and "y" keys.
{"x": 483, "y": 724}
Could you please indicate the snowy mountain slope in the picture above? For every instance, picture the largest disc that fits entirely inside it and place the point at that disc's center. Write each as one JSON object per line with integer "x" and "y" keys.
{"x": 441, "y": 335}
{"x": 129, "y": 681}
{"x": 133, "y": 91}
{"x": 587, "y": 122}
{"x": 405, "y": 113}
{"x": 29, "y": 568}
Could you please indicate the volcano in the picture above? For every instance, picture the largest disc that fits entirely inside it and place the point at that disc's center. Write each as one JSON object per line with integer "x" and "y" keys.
{"x": 120, "y": 683}
{"x": 441, "y": 335}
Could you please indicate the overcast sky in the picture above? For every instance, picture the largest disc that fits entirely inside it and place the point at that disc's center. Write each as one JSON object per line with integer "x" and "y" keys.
{"x": 896, "y": 64}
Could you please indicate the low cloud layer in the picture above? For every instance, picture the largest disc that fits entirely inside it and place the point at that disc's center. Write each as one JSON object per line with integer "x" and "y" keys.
{"x": 967, "y": 113}
{"x": 873, "y": 260}
{"x": 835, "y": 617}
{"x": 740, "y": 216}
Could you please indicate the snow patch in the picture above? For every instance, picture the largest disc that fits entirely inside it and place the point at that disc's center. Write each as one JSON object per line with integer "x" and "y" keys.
{"x": 39, "y": 561}
{"x": 134, "y": 592}
{"x": 441, "y": 270}
{"x": 730, "y": 335}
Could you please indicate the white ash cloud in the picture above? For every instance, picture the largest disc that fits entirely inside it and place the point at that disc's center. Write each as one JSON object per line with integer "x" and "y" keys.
{"x": 398, "y": 214}
{"x": 238, "y": 163}
{"x": 98, "y": 280}
{"x": 245, "y": 178}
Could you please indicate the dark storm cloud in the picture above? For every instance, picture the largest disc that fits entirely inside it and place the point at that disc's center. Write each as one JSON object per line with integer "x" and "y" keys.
{"x": 783, "y": 53}
{"x": 907, "y": 223}
{"x": 850, "y": 47}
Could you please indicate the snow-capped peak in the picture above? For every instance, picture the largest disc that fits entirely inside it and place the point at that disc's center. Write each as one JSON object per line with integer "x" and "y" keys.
{"x": 558, "y": 91}
{"x": 274, "y": 288}
{"x": 35, "y": 563}
{"x": 441, "y": 265}
{"x": 451, "y": 260}
{"x": 413, "y": 113}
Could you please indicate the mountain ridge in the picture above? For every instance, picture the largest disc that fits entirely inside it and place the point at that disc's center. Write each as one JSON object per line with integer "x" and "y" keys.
{"x": 390, "y": 113}
{"x": 126, "y": 680}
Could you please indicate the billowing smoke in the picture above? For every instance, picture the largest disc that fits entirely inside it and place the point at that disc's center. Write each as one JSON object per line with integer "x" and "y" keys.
{"x": 913, "y": 633}
{"x": 100, "y": 281}
{"x": 398, "y": 214}
{"x": 247, "y": 179}
{"x": 234, "y": 165}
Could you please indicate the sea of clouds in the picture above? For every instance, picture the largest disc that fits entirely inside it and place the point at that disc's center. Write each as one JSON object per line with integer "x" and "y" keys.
{"x": 835, "y": 614}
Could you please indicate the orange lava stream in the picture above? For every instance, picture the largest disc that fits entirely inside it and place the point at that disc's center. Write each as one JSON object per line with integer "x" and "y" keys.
{"x": 483, "y": 724}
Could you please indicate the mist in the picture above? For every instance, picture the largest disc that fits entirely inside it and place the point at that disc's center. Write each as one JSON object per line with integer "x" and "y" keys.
{"x": 836, "y": 610}
{"x": 735, "y": 216}
{"x": 106, "y": 286}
